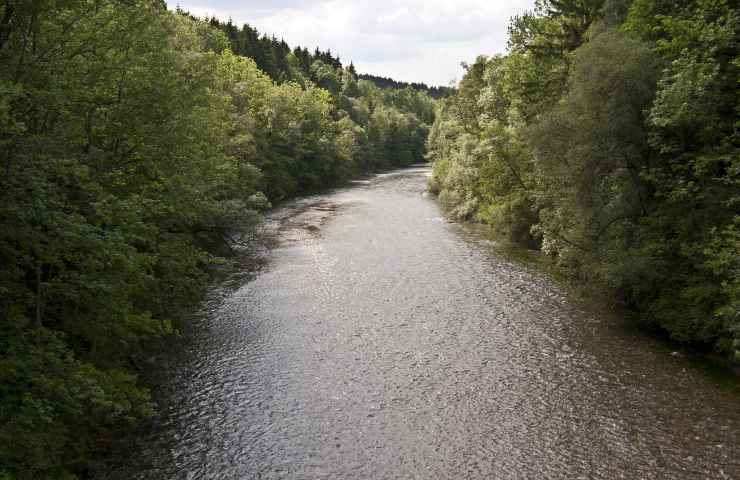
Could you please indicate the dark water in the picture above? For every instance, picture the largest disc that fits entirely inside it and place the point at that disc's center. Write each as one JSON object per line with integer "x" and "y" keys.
{"x": 381, "y": 342}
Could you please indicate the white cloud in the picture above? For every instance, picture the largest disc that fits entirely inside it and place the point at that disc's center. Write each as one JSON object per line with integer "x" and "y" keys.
{"x": 411, "y": 40}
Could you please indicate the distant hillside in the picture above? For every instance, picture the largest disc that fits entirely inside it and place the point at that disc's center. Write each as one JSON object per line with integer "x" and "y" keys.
{"x": 385, "y": 82}
{"x": 276, "y": 58}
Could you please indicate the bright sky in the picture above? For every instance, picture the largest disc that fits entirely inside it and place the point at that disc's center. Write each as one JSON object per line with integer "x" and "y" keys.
{"x": 409, "y": 40}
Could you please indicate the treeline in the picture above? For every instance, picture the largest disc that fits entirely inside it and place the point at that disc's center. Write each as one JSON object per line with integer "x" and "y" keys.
{"x": 134, "y": 144}
{"x": 385, "y": 82}
{"x": 608, "y": 138}
{"x": 272, "y": 56}
{"x": 275, "y": 57}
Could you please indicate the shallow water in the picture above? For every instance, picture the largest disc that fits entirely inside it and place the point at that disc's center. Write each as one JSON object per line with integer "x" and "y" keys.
{"x": 382, "y": 342}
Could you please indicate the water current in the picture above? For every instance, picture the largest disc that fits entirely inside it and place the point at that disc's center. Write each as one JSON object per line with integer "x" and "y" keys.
{"x": 380, "y": 341}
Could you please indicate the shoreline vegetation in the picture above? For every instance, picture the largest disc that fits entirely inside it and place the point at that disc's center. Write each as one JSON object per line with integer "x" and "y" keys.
{"x": 135, "y": 140}
{"x": 595, "y": 298}
{"x": 607, "y": 139}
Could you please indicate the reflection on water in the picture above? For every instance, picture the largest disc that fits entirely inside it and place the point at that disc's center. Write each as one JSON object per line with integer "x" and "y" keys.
{"x": 382, "y": 342}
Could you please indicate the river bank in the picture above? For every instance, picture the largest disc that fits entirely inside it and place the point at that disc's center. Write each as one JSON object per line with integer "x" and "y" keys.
{"x": 717, "y": 365}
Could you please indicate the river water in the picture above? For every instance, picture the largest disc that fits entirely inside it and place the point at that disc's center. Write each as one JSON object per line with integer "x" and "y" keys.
{"x": 382, "y": 342}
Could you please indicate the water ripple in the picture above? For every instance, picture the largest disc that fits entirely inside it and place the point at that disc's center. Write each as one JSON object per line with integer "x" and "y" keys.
{"x": 383, "y": 342}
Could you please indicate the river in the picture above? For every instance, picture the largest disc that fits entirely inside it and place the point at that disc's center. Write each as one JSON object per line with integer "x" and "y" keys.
{"x": 380, "y": 341}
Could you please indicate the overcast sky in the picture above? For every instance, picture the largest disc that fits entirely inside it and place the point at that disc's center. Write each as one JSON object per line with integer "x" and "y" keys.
{"x": 409, "y": 40}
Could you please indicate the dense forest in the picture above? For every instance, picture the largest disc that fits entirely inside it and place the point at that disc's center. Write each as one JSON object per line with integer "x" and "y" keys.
{"x": 608, "y": 138}
{"x": 275, "y": 58}
{"x": 135, "y": 143}
{"x": 385, "y": 82}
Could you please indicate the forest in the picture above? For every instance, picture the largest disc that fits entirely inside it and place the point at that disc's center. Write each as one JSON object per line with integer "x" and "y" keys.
{"x": 385, "y": 82}
{"x": 608, "y": 139}
{"x": 275, "y": 58}
{"x": 135, "y": 141}
{"x": 138, "y": 144}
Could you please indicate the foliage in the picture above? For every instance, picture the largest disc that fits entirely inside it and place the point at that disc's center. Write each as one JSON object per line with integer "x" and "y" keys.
{"x": 607, "y": 137}
{"x": 279, "y": 62}
{"x": 134, "y": 145}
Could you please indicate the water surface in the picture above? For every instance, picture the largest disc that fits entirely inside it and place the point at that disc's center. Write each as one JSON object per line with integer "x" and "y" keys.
{"x": 382, "y": 342}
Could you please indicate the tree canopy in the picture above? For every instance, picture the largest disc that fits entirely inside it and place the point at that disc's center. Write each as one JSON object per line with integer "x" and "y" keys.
{"x": 608, "y": 138}
{"x": 135, "y": 142}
